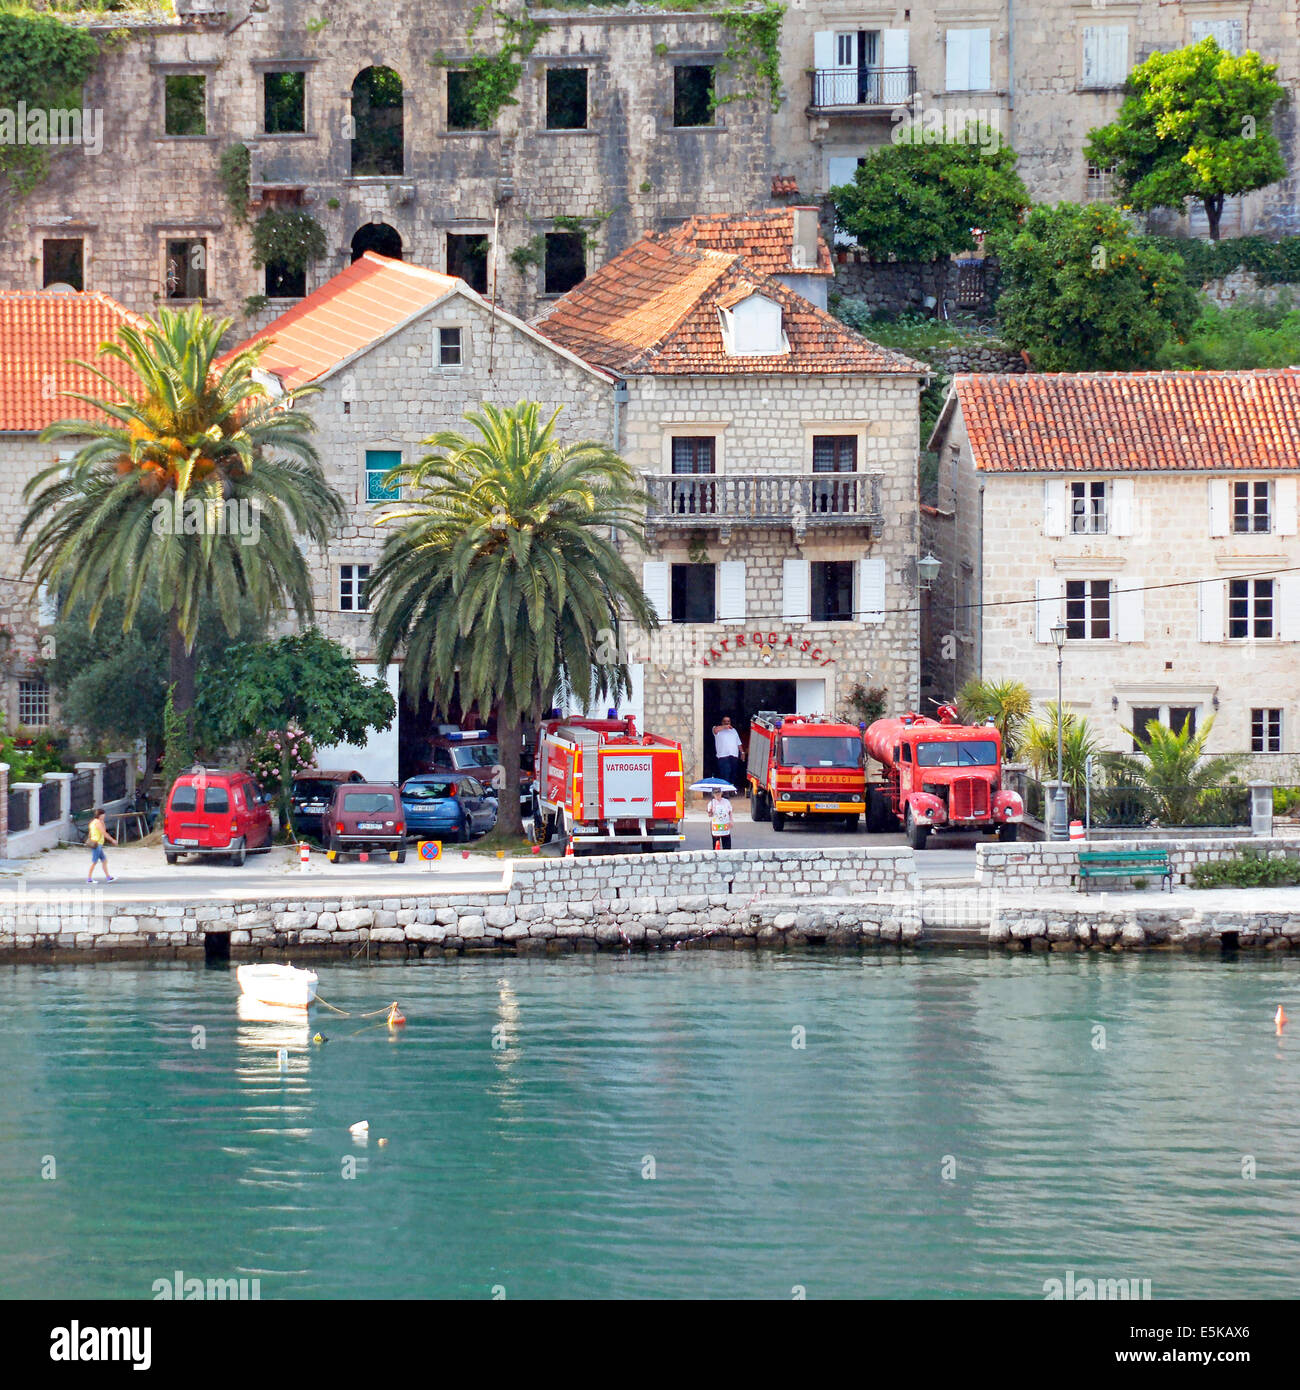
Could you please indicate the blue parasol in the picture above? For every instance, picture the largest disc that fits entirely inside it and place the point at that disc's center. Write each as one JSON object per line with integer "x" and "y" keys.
{"x": 713, "y": 784}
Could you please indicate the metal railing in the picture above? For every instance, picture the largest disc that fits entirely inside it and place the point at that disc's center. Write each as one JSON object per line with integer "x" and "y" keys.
{"x": 850, "y": 87}
{"x": 20, "y": 813}
{"x": 115, "y": 780}
{"x": 51, "y": 802}
{"x": 764, "y": 499}
{"x": 83, "y": 791}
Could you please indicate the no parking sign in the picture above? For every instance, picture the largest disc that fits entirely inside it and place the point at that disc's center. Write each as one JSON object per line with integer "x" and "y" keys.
{"x": 430, "y": 850}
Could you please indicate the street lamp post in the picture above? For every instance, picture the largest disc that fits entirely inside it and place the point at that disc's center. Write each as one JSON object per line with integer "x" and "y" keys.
{"x": 1059, "y": 828}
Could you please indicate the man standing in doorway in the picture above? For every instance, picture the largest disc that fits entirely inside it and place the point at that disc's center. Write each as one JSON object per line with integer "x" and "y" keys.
{"x": 726, "y": 744}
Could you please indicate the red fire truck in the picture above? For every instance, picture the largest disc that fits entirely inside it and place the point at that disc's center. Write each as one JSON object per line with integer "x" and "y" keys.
{"x": 804, "y": 765}
{"x": 939, "y": 774}
{"x": 600, "y": 783}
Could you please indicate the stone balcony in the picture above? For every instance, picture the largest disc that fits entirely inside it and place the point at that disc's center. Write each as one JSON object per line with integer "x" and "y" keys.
{"x": 721, "y": 501}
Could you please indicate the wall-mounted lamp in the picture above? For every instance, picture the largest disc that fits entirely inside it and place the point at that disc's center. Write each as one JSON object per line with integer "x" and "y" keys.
{"x": 1214, "y": 699}
{"x": 1114, "y": 702}
{"x": 927, "y": 570}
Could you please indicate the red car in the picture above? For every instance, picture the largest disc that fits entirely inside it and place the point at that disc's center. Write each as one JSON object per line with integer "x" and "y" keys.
{"x": 211, "y": 811}
{"x": 366, "y": 816}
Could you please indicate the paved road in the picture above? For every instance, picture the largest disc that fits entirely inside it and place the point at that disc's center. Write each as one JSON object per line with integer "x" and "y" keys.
{"x": 142, "y": 871}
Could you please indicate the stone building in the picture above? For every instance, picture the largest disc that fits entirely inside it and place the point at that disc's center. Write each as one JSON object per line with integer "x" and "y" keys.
{"x": 42, "y": 335}
{"x": 779, "y": 451}
{"x": 1043, "y": 74}
{"x": 1155, "y": 514}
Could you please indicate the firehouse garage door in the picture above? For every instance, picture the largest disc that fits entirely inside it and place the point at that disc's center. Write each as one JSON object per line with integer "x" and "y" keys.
{"x": 742, "y": 700}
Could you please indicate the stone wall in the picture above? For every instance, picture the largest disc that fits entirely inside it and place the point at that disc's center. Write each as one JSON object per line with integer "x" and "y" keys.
{"x": 901, "y": 287}
{"x": 1048, "y": 865}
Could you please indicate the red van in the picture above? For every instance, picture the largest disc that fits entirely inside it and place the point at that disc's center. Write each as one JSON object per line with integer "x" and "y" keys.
{"x": 211, "y": 811}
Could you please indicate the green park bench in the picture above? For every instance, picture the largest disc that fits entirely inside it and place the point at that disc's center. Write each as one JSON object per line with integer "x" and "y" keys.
{"x": 1125, "y": 863}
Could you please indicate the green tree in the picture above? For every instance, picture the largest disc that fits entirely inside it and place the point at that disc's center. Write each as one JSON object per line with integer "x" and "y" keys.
{"x": 503, "y": 580}
{"x": 1080, "y": 293}
{"x": 1248, "y": 334}
{"x": 1078, "y": 744}
{"x": 196, "y": 487}
{"x": 306, "y": 682}
{"x": 112, "y": 680}
{"x": 919, "y": 198}
{"x": 1008, "y": 703}
{"x": 1196, "y": 123}
{"x": 1171, "y": 771}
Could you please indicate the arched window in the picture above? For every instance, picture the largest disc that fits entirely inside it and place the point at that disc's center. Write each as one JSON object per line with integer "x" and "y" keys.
{"x": 377, "y": 138}
{"x": 378, "y": 237}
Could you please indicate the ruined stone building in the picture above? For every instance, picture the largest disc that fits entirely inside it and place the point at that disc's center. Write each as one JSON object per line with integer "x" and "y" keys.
{"x": 626, "y": 119}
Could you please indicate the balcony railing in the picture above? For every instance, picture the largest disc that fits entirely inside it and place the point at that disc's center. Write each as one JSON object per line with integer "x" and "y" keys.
{"x": 844, "y": 88}
{"x": 798, "y": 500}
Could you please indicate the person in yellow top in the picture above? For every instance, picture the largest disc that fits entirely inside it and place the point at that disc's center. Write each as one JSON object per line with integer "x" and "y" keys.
{"x": 95, "y": 837}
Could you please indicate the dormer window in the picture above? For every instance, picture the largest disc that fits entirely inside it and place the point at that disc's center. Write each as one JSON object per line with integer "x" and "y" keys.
{"x": 752, "y": 328}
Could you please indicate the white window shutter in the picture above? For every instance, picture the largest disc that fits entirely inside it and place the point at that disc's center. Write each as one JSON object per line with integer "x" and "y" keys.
{"x": 731, "y": 591}
{"x": 894, "y": 49}
{"x": 823, "y": 49}
{"x": 1121, "y": 507}
{"x": 1284, "y": 506}
{"x": 1212, "y": 594}
{"x": 980, "y": 60}
{"x": 1286, "y": 622}
{"x": 796, "y": 599}
{"x": 1130, "y": 597}
{"x": 1048, "y": 594}
{"x": 958, "y": 74}
{"x": 1055, "y": 508}
{"x": 1093, "y": 44}
{"x": 870, "y": 603}
{"x": 654, "y": 580}
{"x": 1116, "y": 66}
{"x": 47, "y": 609}
{"x": 1220, "y": 507}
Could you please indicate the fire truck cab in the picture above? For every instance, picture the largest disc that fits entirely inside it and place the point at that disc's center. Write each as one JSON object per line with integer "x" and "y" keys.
{"x": 805, "y": 765}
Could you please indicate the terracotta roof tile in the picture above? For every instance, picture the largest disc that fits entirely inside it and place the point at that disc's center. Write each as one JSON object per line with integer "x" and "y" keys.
{"x": 40, "y": 333}
{"x": 764, "y": 238}
{"x": 369, "y": 298}
{"x": 1117, "y": 422}
{"x": 653, "y": 310}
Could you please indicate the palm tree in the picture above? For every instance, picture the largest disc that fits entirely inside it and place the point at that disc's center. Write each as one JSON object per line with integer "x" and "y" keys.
{"x": 1078, "y": 744}
{"x": 1008, "y": 703}
{"x": 504, "y": 581}
{"x": 1171, "y": 770}
{"x": 194, "y": 484}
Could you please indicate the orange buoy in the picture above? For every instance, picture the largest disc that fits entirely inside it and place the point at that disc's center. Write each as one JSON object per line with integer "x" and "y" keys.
{"x": 396, "y": 1018}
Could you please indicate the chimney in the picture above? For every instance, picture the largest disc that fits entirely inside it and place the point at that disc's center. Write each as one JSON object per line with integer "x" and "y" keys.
{"x": 803, "y": 253}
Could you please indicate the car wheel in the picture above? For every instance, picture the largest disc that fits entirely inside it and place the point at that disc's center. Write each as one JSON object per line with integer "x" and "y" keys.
{"x": 462, "y": 833}
{"x": 238, "y": 855}
{"x": 171, "y": 858}
{"x": 917, "y": 835}
{"x": 399, "y": 854}
{"x": 778, "y": 820}
{"x": 1009, "y": 832}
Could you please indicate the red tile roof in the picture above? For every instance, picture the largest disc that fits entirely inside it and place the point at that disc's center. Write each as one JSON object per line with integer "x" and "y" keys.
{"x": 653, "y": 310}
{"x": 40, "y": 331}
{"x": 764, "y": 238}
{"x": 1130, "y": 421}
{"x": 373, "y": 296}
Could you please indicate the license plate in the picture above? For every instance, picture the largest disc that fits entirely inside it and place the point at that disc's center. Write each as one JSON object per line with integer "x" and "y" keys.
{"x": 185, "y": 842}
{"x": 314, "y": 807}
{"x": 826, "y": 805}
{"x": 369, "y": 825}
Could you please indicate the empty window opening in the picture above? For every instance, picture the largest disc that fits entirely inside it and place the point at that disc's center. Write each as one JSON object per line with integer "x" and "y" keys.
{"x": 693, "y": 86}
{"x": 185, "y": 102}
{"x": 566, "y": 99}
{"x": 377, "y": 123}
{"x": 284, "y": 103}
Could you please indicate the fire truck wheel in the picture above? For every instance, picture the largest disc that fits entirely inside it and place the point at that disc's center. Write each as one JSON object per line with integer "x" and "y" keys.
{"x": 917, "y": 835}
{"x": 1008, "y": 832}
{"x": 880, "y": 820}
{"x": 762, "y": 807}
{"x": 851, "y": 822}
{"x": 778, "y": 820}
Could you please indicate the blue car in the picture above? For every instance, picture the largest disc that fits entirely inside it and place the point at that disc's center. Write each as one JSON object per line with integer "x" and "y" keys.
{"x": 447, "y": 806}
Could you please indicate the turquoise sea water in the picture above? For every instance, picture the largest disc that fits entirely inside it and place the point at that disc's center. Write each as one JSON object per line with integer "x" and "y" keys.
{"x": 524, "y": 1166}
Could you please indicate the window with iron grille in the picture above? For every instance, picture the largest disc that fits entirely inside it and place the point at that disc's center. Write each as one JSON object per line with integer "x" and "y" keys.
{"x": 1101, "y": 183}
{"x": 378, "y": 464}
{"x": 1251, "y": 507}
{"x": 1250, "y": 608}
{"x": 1087, "y": 610}
{"x": 33, "y": 703}
{"x": 1266, "y": 731}
{"x": 1088, "y": 508}
{"x": 353, "y": 580}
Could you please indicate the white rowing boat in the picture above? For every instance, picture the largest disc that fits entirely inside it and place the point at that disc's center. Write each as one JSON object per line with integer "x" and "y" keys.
{"x": 283, "y": 985}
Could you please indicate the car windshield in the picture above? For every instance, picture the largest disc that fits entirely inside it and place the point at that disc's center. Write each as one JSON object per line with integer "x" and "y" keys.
{"x": 313, "y": 789}
{"x": 474, "y": 755}
{"x": 368, "y": 803}
{"x": 428, "y": 791}
{"x": 965, "y": 752}
{"x": 822, "y": 750}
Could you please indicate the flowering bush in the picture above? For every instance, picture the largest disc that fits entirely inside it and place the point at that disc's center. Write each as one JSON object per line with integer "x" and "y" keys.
{"x": 280, "y": 755}
{"x": 31, "y": 754}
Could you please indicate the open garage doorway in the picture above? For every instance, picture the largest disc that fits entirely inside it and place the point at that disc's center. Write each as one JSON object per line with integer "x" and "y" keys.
{"x": 742, "y": 700}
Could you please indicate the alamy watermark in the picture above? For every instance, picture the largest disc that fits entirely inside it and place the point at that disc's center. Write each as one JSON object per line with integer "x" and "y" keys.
{"x": 199, "y": 516}
{"x": 178, "y": 1288}
{"x": 947, "y": 125}
{"x": 35, "y": 125}
{"x": 1100, "y": 1290}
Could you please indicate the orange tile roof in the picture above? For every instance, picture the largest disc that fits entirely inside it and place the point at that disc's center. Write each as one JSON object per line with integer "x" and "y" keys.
{"x": 1120, "y": 422}
{"x": 764, "y": 238}
{"x": 373, "y": 296}
{"x": 40, "y": 333}
{"x": 653, "y": 310}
